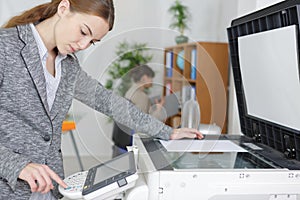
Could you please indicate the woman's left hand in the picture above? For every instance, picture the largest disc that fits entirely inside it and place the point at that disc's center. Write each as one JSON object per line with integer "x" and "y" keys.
{"x": 185, "y": 133}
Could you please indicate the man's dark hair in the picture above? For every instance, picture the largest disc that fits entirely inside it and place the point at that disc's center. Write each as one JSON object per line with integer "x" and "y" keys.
{"x": 139, "y": 71}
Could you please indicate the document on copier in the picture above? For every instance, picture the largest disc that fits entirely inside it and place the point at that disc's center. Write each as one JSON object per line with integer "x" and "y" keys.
{"x": 201, "y": 146}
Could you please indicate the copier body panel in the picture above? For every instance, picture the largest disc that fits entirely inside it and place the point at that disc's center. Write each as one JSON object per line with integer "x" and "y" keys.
{"x": 213, "y": 176}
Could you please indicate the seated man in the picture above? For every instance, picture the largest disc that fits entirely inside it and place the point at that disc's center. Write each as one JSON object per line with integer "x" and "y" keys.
{"x": 142, "y": 77}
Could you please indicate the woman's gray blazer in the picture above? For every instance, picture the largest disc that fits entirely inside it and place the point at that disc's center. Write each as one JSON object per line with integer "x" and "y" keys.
{"x": 29, "y": 132}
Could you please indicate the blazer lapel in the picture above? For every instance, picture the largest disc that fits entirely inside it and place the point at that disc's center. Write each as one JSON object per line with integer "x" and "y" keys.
{"x": 33, "y": 63}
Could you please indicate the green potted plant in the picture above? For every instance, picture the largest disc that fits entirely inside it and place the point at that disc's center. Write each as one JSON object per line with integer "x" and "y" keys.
{"x": 180, "y": 17}
{"x": 128, "y": 56}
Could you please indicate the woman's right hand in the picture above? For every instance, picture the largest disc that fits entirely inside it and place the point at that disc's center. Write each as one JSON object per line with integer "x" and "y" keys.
{"x": 39, "y": 177}
{"x": 180, "y": 133}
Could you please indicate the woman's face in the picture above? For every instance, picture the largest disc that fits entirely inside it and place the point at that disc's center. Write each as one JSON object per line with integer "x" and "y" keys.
{"x": 77, "y": 31}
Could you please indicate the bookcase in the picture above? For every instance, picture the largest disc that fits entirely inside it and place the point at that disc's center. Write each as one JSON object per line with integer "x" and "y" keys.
{"x": 204, "y": 67}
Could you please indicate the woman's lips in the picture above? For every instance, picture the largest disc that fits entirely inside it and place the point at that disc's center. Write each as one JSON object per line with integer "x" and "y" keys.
{"x": 72, "y": 49}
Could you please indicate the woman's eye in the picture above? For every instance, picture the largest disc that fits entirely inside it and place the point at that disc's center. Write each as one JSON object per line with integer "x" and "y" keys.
{"x": 83, "y": 33}
{"x": 92, "y": 42}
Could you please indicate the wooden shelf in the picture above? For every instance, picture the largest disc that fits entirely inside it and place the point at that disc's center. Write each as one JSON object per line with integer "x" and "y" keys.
{"x": 210, "y": 80}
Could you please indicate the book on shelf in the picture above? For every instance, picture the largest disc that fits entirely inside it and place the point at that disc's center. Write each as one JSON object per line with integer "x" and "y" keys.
{"x": 168, "y": 88}
{"x": 193, "y": 64}
{"x": 169, "y": 64}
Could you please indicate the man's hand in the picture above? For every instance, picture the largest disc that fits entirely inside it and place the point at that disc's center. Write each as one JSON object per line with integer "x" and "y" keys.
{"x": 159, "y": 103}
{"x": 39, "y": 177}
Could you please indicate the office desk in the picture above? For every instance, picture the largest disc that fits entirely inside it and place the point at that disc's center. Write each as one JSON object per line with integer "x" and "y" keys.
{"x": 214, "y": 176}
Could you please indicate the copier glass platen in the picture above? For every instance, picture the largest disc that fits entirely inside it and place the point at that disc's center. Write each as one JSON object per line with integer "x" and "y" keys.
{"x": 264, "y": 52}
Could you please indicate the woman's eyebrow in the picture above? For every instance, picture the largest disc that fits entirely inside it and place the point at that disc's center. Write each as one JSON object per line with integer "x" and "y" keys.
{"x": 89, "y": 29}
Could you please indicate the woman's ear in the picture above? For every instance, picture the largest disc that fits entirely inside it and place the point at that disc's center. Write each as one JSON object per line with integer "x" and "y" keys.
{"x": 63, "y": 7}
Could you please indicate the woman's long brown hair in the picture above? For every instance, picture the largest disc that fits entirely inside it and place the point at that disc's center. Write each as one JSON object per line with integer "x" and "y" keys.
{"x": 101, "y": 8}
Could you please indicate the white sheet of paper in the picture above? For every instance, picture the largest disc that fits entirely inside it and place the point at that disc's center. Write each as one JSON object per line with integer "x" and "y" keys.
{"x": 201, "y": 146}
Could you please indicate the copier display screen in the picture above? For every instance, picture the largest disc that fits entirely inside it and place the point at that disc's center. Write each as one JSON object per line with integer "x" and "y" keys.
{"x": 111, "y": 169}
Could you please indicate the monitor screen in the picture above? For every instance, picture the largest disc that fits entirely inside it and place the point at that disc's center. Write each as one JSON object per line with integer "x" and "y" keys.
{"x": 111, "y": 175}
{"x": 111, "y": 169}
{"x": 270, "y": 73}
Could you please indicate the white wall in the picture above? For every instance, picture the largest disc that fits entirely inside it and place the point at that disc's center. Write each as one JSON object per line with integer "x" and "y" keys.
{"x": 264, "y": 3}
{"x": 142, "y": 21}
{"x": 15, "y": 7}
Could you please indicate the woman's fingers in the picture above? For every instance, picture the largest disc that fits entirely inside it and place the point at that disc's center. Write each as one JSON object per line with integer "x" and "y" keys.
{"x": 55, "y": 177}
{"x": 193, "y": 133}
{"x": 32, "y": 183}
{"x": 39, "y": 177}
{"x": 185, "y": 133}
{"x": 40, "y": 181}
{"x": 46, "y": 183}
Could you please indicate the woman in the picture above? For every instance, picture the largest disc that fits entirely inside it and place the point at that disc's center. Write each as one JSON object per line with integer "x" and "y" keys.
{"x": 39, "y": 77}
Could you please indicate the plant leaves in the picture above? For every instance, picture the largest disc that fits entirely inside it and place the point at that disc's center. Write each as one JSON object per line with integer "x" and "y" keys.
{"x": 128, "y": 56}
